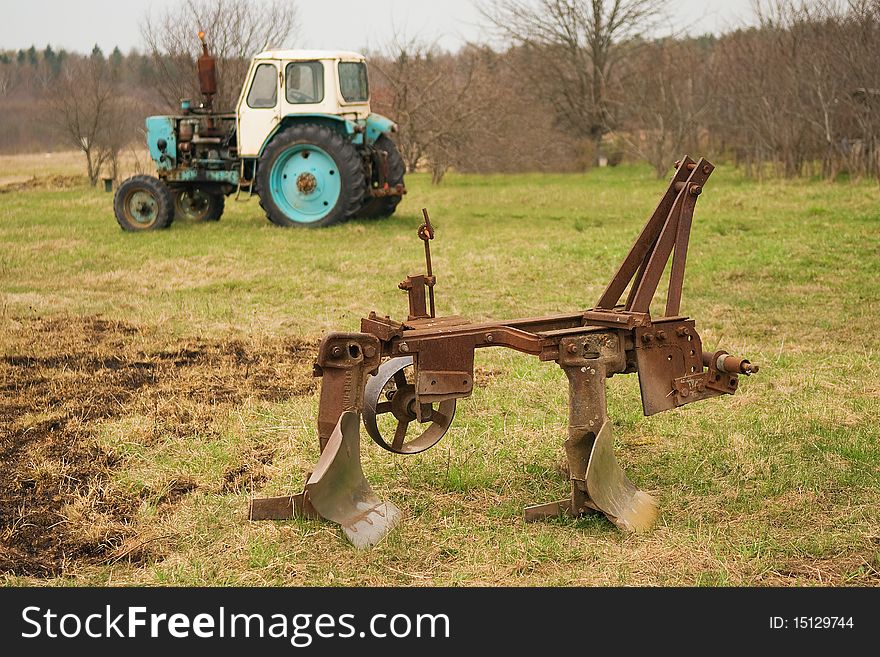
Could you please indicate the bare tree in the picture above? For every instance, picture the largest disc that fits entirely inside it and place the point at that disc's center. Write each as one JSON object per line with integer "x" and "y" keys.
{"x": 86, "y": 108}
{"x": 436, "y": 99}
{"x": 122, "y": 125}
{"x": 7, "y": 78}
{"x": 856, "y": 58}
{"x": 236, "y": 30}
{"x": 796, "y": 93}
{"x": 576, "y": 46}
{"x": 666, "y": 91}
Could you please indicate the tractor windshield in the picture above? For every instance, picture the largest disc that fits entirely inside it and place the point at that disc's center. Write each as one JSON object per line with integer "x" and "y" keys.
{"x": 353, "y": 82}
{"x": 264, "y": 89}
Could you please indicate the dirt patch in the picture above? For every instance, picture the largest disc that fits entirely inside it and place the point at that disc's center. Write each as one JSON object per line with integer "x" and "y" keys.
{"x": 44, "y": 183}
{"x": 249, "y": 475}
{"x": 59, "y": 378}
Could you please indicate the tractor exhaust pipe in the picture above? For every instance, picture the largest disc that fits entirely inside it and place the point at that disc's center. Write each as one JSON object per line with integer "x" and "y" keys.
{"x": 207, "y": 69}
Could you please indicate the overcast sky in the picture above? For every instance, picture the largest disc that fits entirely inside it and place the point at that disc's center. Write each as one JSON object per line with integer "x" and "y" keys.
{"x": 331, "y": 24}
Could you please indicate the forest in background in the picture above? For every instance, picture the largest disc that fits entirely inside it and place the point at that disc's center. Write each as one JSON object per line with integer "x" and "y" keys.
{"x": 575, "y": 85}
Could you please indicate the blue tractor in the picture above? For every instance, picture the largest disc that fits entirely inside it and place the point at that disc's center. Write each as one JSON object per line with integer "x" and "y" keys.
{"x": 302, "y": 138}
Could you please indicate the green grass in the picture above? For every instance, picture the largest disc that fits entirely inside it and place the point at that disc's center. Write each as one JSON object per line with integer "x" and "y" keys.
{"x": 778, "y": 485}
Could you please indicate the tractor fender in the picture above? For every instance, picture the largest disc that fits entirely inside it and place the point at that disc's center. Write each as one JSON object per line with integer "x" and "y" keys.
{"x": 378, "y": 125}
{"x": 345, "y": 127}
{"x": 373, "y": 127}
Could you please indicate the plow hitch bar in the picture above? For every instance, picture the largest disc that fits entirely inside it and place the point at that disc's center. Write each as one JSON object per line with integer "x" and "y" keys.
{"x": 402, "y": 379}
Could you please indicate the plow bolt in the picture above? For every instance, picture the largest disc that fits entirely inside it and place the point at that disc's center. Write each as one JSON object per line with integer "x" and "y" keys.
{"x": 336, "y": 351}
{"x": 490, "y": 337}
{"x": 404, "y": 347}
{"x": 572, "y": 348}
{"x": 682, "y": 331}
{"x": 647, "y": 338}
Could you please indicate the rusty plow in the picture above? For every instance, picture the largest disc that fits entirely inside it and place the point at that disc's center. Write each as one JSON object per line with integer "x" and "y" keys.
{"x": 404, "y": 378}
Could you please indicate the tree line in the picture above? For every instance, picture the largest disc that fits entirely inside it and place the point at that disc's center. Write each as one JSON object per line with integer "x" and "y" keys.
{"x": 575, "y": 83}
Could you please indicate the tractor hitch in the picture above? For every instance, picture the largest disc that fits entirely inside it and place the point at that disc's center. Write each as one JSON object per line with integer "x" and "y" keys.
{"x": 404, "y": 379}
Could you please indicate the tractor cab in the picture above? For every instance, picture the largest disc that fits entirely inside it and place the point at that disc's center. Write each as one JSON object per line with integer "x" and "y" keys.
{"x": 324, "y": 85}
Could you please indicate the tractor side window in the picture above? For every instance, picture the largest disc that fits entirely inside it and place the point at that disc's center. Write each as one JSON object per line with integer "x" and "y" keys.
{"x": 264, "y": 90}
{"x": 305, "y": 82}
{"x": 353, "y": 82}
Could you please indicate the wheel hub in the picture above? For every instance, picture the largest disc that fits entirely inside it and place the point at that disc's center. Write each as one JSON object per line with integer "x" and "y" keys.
{"x": 193, "y": 203}
{"x": 306, "y": 183}
{"x": 403, "y": 403}
{"x": 143, "y": 207}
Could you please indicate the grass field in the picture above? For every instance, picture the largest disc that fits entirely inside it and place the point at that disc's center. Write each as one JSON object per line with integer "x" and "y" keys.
{"x": 153, "y": 382}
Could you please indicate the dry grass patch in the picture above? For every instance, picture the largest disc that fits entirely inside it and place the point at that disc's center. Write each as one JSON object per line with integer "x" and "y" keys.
{"x": 65, "y": 380}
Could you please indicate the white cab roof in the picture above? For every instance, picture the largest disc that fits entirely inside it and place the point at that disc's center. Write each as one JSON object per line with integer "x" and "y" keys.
{"x": 308, "y": 54}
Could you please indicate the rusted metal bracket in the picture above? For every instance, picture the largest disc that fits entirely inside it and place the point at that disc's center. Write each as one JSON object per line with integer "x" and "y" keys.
{"x": 415, "y": 285}
{"x": 430, "y": 364}
{"x": 345, "y": 360}
{"x": 285, "y": 507}
{"x": 667, "y": 229}
{"x": 383, "y": 189}
{"x": 388, "y": 190}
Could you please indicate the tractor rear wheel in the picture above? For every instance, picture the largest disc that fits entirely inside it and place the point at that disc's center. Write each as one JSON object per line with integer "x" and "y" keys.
{"x": 197, "y": 205}
{"x": 312, "y": 176}
{"x": 384, "y": 206}
{"x": 143, "y": 203}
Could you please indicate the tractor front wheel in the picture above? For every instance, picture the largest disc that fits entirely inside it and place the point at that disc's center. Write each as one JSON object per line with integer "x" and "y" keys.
{"x": 310, "y": 175}
{"x": 143, "y": 203}
{"x": 197, "y": 205}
